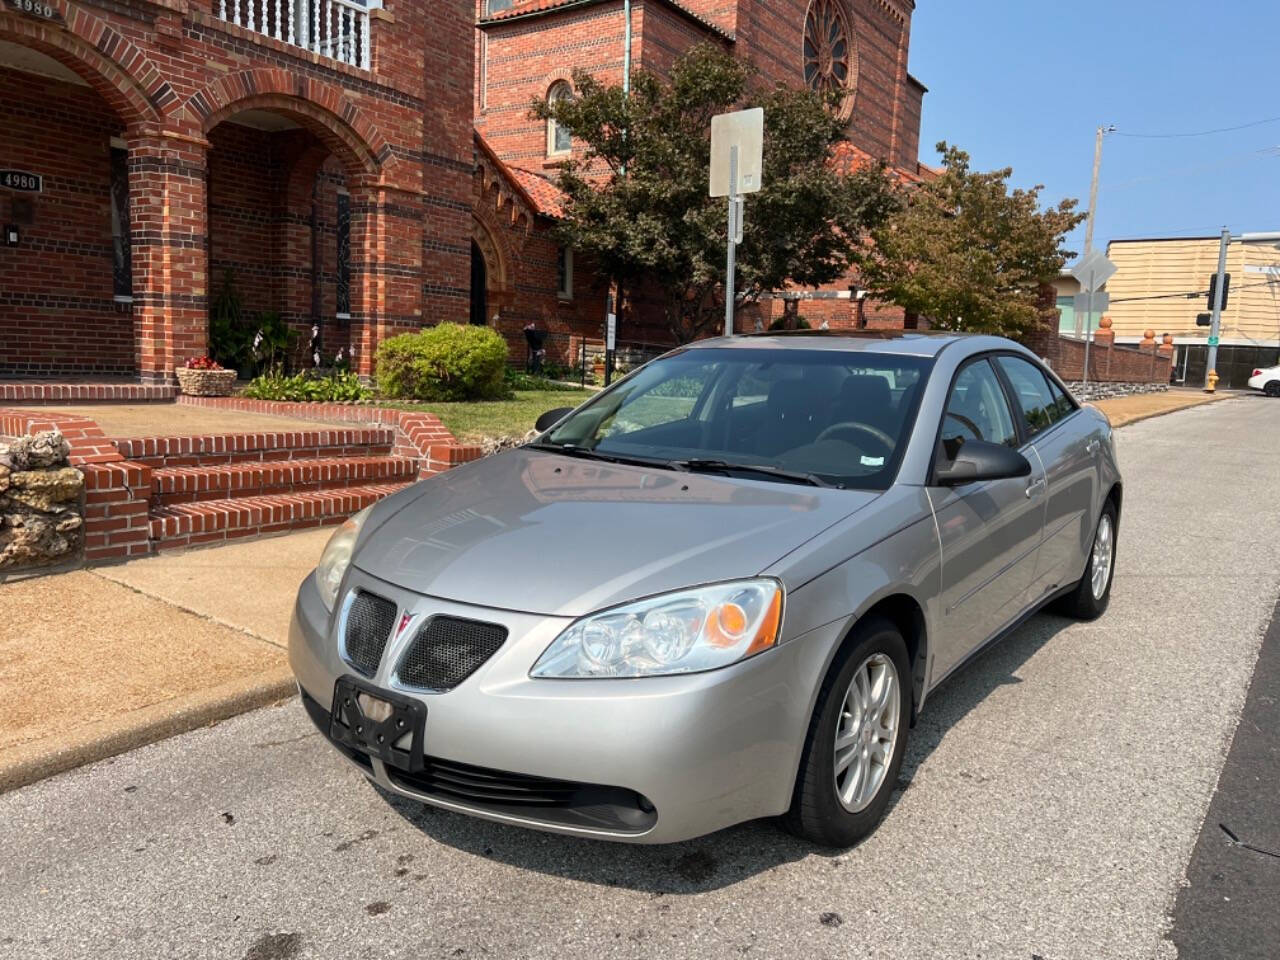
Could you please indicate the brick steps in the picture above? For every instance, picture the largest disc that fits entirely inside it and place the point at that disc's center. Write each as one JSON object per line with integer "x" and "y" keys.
{"x": 212, "y": 521}
{"x": 214, "y": 449}
{"x": 174, "y": 485}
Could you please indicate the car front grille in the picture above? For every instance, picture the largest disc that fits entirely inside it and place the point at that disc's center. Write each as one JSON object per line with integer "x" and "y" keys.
{"x": 369, "y": 622}
{"x": 562, "y": 802}
{"x": 447, "y": 650}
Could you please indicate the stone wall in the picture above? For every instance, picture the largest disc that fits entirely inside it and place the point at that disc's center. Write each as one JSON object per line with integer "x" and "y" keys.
{"x": 1094, "y": 390}
{"x": 41, "y": 503}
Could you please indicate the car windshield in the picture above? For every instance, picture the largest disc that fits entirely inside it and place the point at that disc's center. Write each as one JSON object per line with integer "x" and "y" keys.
{"x": 828, "y": 417}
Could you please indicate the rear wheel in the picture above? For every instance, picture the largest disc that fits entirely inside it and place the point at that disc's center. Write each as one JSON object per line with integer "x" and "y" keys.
{"x": 856, "y": 741}
{"x": 1092, "y": 594}
{"x": 1272, "y": 389}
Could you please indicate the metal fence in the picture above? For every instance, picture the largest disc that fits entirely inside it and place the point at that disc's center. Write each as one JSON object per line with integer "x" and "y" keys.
{"x": 572, "y": 356}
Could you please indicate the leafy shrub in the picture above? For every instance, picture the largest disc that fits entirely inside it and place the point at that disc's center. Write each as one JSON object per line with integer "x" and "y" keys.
{"x": 451, "y": 361}
{"x": 338, "y": 387}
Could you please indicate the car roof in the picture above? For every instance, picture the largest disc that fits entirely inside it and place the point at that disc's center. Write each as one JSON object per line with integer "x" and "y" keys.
{"x": 914, "y": 343}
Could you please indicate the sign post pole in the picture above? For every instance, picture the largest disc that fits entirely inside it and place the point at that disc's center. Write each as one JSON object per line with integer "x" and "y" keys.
{"x": 737, "y": 141}
{"x": 1088, "y": 329}
{"x": 731, "y": 268}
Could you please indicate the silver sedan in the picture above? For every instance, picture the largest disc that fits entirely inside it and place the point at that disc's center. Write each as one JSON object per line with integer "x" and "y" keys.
{"x": 722, "y": 589}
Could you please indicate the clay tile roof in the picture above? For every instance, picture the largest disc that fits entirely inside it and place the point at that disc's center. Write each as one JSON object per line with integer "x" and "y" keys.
{"x": 547, "y": 197}
{"x": 848, "y": 158}
{"x": 528, "y": 8}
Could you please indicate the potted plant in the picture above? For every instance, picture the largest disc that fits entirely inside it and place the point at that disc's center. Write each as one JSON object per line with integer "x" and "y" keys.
{"x": 597, "y": 365}
{"x": 205, "y": 377}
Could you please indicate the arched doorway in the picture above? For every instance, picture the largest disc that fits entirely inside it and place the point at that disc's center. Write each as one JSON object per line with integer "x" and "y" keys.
{"x": 66, "y": 277}
{"x": 281, "y": 226}
{"x": 479, "y": 287}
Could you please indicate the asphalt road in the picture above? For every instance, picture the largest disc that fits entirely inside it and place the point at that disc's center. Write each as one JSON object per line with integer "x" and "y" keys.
{"x": 1053, "y": 796}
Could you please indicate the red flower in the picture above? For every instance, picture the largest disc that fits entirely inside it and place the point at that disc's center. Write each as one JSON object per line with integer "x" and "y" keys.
{"x": 202, "y": 363}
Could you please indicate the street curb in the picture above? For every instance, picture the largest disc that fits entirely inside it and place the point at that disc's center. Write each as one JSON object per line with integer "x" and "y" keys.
{"x": 1163, "y": 413}
{"x": 35, "y": 761}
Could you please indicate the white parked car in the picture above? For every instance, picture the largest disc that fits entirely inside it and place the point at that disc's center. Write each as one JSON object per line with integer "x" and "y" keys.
{"x": 1266, "y": 379}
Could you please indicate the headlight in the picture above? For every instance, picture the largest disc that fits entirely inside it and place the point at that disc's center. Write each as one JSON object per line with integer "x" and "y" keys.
{"x": 685, "y": 632}
{"x": 337, "y": 556}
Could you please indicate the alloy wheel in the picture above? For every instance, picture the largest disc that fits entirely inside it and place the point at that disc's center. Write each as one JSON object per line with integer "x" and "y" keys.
{"x": 867, "y": 732}
{"x": 1103, "y": 551}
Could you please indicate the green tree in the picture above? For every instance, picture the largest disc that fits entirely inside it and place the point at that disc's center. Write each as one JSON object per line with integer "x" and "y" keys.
{"x": 967, "y": 253}
{"x": 637, "y": 200}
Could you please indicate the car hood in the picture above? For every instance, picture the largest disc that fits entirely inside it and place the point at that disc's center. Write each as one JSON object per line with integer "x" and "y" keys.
{"x": 551, "y": 534}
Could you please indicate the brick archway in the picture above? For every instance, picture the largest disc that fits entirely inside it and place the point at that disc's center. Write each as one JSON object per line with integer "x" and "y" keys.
{"x": 138, "y": 95}
{"x": 322, "y": 109}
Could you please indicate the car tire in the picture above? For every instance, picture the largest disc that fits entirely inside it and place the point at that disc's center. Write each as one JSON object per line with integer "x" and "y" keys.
{"x": 1085, "y": 602}
{"x": 1272, "y": 388}
{"x": 875, "y": 649}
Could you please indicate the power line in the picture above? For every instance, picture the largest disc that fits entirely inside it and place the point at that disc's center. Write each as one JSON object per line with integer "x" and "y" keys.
{"x": 1199, "y": 133}
{"x": 1193, "y": 295}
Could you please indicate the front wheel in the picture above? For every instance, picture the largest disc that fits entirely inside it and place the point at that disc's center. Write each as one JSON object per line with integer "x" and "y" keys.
{"x": 856, "y": 741}
{"x": 1092, "y": 594}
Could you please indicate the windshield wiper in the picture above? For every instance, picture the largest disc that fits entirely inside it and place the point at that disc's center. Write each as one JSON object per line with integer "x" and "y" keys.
{"x": 586, "y": 453}
{"x": 703, "y": 465}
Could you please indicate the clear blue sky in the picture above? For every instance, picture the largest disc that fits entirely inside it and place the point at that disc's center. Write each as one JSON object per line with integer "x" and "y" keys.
{"x": 1025, "y": 83}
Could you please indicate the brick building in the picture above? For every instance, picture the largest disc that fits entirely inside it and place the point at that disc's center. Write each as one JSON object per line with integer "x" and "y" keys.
{"x": 529, "y": 49}
{"x": 359, "y": 166}
{"x": 315, "y": 156}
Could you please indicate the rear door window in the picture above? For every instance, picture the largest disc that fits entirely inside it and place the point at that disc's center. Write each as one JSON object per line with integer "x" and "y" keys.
{"x": 1040, "y": 409}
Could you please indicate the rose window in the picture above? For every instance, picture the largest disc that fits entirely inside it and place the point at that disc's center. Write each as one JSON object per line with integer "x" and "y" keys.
{"x": 830, "y": 55}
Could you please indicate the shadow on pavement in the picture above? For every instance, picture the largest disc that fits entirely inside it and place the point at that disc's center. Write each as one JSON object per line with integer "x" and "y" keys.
{"x": 735, "y": 853}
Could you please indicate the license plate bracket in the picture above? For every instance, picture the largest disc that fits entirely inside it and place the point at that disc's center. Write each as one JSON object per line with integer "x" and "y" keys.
{"x": 384, "y": 736}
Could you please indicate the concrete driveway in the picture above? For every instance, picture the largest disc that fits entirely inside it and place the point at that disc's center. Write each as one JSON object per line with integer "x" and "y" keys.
{"x": 1048, "y": 805}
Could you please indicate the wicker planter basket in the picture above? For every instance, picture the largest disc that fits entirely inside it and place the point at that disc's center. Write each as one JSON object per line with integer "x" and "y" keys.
{"x": 206, "y": 383}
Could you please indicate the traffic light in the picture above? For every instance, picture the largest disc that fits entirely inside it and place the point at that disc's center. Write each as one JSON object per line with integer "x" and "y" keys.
{"x": 1204, "y": 319}
{"x": 1213, "y": 288}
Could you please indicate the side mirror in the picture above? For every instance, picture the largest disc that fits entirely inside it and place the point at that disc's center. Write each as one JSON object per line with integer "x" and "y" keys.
{"x": 551, "y": 418}
{"x": 970, "y": 461}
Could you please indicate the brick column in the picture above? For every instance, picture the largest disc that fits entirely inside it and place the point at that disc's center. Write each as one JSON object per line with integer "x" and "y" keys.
{"x": 386, "y": 267}
{"x": 167, "y": 213}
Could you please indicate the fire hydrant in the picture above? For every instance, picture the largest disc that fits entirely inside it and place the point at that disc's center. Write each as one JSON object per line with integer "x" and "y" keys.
{"x": 1212, "y": 380}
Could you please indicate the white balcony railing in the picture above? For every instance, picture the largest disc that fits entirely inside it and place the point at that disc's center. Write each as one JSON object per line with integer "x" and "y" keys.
{"x": 332, "y": 28}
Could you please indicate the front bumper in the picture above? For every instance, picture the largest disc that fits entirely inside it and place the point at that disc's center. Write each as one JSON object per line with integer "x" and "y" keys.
{"x": 700, "y": 752}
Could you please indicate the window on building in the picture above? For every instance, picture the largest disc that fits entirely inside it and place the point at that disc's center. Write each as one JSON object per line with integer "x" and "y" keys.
{"x": 564, "y": 273}
{"x": 121, "y": 253}
{"x": 1066, "y": 314}
{"x": 497, "y": 6}
{"x": 559, "y": 139}
{"x": 344, "y": 256}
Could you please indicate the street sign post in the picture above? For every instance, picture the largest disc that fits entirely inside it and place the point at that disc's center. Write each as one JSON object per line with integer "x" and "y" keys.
{"x": 737, "y": 154}
{"x": 1092, "y": 270}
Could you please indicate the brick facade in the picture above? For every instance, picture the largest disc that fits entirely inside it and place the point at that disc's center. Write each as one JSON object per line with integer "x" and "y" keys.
{"x": 235, "y": 146}
{"x": 521, "y": 52}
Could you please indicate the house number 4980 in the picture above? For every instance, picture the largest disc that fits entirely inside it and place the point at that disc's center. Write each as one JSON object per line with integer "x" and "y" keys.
{"x": 34, "y": 7}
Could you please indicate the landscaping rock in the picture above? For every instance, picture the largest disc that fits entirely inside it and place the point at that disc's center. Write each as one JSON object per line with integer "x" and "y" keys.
{"x": 1102, "y": 391}
{"x": 41, "y": 513}
{"x": 46, "y": 489}
{"x": 46, "y": 449}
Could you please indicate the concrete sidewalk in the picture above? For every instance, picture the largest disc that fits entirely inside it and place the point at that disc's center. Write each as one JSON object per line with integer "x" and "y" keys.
{"x": 96, "y": 662}
{"x": 1141, "y": 406}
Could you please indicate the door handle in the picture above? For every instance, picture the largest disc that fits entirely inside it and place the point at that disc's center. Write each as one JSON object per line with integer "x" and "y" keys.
{"x": 1093, "y": 446}
{"x": 1031, "y": 487}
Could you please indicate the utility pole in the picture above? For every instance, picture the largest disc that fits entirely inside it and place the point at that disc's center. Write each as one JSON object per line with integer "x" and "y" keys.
{"x": 1215, "y": 322}
{"x": 1093, "y": 186}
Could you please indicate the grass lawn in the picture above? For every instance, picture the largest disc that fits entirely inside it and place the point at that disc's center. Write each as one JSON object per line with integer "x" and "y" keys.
{"x": 470, "y": 420}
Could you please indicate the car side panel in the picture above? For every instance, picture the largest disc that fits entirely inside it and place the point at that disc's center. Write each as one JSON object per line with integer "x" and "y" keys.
{"x": 889, "y": 548}
{"x": 1070, "y": 452}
